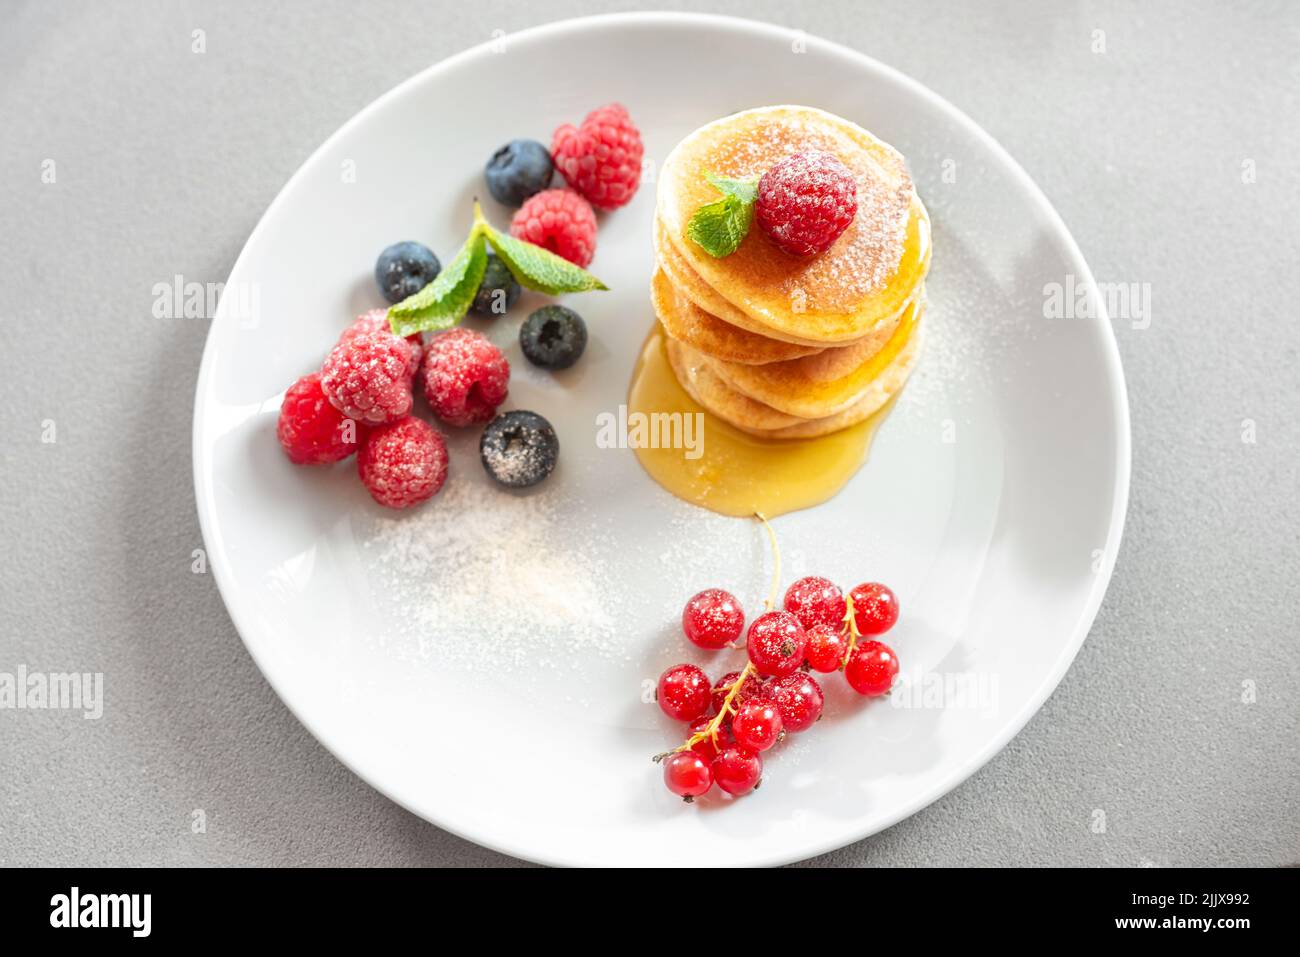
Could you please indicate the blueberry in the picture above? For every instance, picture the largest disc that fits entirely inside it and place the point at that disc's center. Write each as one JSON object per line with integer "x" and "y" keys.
{"x": 553, "y": 337}
{"x": 519, "y": 448}
{"x": 498, "y": 291}
{"x": 518, "y": 170}
{"x": 403, "y": 269}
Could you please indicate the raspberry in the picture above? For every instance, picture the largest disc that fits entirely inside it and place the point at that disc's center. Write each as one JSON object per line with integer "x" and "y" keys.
{"x": 368, "y": 377}
{"x": 403, "y": 463}
{"x": 806, "y": 201}
{"x": 559, "y": 220}
{"x": 376, "y": 320}
{"x": 311, "y": 430}
{"x": 601, "y": 159}
{"x": 465, "y": 376}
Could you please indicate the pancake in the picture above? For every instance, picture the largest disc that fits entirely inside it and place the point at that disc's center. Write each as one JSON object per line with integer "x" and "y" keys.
{"x": 816, "y": 386}
{"x": 688, "y": 323}
{"x": 696, "y": 375}
{"x": 688, "y": 283}
{"x": 865, "y": 278}
{"x": 811, "y": 428}
{"x": 709, "y": 389}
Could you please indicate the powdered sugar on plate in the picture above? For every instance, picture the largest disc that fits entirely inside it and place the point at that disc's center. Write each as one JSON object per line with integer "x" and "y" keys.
{"x": 480, "y": 578}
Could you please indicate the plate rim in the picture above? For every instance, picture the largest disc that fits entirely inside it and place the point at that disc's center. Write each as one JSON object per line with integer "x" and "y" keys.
{"x": 1112, "y": 365}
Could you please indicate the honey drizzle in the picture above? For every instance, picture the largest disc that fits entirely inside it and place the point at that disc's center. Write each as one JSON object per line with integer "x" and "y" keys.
{"x": 738, "y": 473}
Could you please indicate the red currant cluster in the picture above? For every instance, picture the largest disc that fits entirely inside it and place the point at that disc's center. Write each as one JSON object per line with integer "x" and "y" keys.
{"x": 746, "y": 712}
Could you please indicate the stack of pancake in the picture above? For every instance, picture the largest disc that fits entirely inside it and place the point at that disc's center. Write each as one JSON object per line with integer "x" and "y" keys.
{"x": 777, "y": 345}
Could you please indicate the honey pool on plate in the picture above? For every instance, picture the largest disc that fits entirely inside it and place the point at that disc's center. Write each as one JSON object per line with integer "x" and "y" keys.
{"x": 738, "y": 473}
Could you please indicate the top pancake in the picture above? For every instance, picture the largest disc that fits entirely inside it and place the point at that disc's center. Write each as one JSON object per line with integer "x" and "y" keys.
{"x": 688, "y": 283}
{"x": 866, "y": 277}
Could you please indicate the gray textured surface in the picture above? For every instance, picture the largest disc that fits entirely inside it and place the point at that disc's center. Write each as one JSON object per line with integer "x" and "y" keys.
{"x": 165, "y": 159}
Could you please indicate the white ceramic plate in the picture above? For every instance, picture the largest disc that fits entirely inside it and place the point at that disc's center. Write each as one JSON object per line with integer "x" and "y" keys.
{"x": 484, "y": 661}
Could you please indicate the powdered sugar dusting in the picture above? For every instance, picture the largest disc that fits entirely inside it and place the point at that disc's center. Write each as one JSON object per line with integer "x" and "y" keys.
{"x": 481, "y": 580}
{"x": 514, "y": 466}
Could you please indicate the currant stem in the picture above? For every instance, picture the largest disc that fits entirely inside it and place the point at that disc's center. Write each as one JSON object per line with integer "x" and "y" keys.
{"x": 776, "y": 555}
{"x": 851, "y": 626}
{"x": 711, "y": 730}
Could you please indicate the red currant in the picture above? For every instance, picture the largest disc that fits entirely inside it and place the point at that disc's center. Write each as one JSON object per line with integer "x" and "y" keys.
{"x": 798, "y": 698}
{"x": 706, "y": 748}
{"x": 684, "y": 692}
{"x": 757, "y": 726}
{"x": 755, "y": 688}
{"x": 815, "y": 601}
{"x": 872, "y": 668}
{"x": 713, "y": 619}
{"x": 687, "y": 774}
{"x": 776, "y": 643}
{"x": 737, "y": 770}
{"x": 875, "y": 608}
{"x": 826, "y": 648}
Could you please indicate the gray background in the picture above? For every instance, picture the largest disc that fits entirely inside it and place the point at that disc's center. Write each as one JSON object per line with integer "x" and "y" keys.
{"x": 165, "y": 159}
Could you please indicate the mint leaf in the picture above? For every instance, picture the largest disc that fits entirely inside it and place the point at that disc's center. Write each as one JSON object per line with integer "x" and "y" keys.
{"x": 720, "y": 227}
{"x": 443, "y": 303}
{"x": 539, "y": 269}
{"x": 745, "y": 190}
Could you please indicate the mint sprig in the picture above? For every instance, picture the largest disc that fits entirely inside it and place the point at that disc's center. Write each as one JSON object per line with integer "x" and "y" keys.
{"x": 745, "y": 190}
{"x": 721, "y": 226}
{"x": 443, "y": 303}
